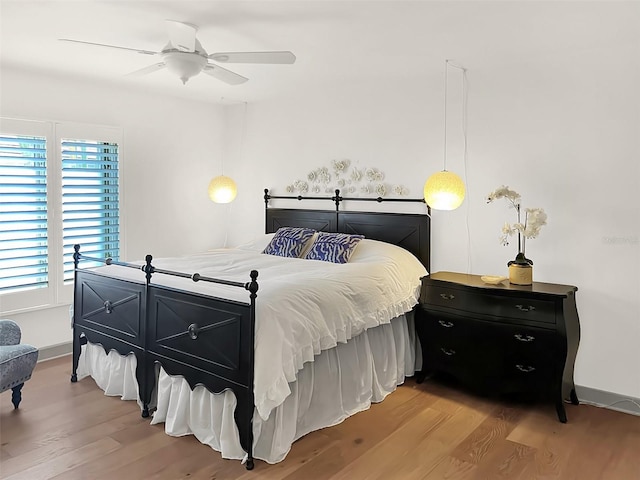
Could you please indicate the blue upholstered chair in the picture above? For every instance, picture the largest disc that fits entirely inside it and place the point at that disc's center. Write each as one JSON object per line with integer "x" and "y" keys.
{"x": 17, "y": 360}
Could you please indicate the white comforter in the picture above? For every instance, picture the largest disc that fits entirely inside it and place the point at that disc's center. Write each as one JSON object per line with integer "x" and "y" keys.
{"x": 303, "y": 306}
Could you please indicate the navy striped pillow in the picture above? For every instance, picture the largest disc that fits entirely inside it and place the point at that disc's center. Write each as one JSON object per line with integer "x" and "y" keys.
{"x": 289, "y": 241}
{"x": 333, "y": 247}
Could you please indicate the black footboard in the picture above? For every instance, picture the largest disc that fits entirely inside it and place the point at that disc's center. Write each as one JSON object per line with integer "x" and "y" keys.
{"x": 207, "y": 340}
{"x": 112, "y": 312}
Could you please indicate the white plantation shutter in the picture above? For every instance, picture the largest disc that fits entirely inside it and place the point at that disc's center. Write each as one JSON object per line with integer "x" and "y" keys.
{"x": 24, "y": 262}
{"x": 59, "y": 185}
{"x": 90, "y": 200}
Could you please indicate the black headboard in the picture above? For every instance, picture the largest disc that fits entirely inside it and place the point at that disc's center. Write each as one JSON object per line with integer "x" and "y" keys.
{"x": 410, "y": 231}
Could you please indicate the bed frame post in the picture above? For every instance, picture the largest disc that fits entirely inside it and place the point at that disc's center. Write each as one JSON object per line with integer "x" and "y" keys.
{"x": 146, "y": 367}
{"x": 337, "y": 199}
{"x": 266, "y": 205}
{"x": 148, "y": 268}
{"x": 76, "y": 335}
{"x": 250, "y": 403}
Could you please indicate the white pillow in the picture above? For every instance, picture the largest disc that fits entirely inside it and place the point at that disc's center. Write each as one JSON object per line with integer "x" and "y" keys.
{"x": 374, "y": 251}
{"x": 258, "y": 244}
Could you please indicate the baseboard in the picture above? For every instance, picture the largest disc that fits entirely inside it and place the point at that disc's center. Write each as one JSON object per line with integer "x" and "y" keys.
{"x": 612, "y": 401}
{"x": 54, "y": 351}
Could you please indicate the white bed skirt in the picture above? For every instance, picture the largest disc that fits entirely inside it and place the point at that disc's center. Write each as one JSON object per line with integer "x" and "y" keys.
{"x": 337, "y": 384}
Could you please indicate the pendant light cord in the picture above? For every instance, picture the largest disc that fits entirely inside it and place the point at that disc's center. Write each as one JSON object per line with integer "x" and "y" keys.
{"x": 464, "y": 106}
{"x": 242, "y": 135}
{"x": 244, "y": 131}
{"x": 446, "y": 83}
{"x": 222, "y": 152}
{"x": 465, "y": 98}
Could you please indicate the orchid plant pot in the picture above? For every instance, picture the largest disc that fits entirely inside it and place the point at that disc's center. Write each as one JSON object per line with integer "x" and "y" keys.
{"x": 521, "y": 270}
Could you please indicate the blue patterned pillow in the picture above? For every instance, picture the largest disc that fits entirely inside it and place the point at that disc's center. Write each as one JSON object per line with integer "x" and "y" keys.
{"x": 289, "y": 241}
{"x": 333, "y": 247}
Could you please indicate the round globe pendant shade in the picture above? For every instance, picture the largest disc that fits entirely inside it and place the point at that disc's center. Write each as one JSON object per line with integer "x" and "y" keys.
{"x": 444, "y": 191}
{"x": 222, "y": 189}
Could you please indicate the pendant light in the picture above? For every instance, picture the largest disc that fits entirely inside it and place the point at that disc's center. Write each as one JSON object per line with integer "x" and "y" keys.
{"x": 445, "y": 190}
{"x": 223, "y": 189}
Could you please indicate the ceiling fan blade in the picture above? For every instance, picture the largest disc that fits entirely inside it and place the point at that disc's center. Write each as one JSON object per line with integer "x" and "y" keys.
{"x": 144, "y": 52}
{"x": 254, "y": 57}
{"x": 146, "y": 70}
{"x": 182, "y": 35}
{"x": 227, "y": 76}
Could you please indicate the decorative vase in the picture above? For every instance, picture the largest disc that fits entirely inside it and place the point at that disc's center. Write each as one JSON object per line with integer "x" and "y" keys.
{"x": 520, "y": 270}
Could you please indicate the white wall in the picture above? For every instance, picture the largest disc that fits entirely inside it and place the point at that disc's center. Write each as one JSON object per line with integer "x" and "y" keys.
{"x": 171, "y": 149}
{"x": 562, "y": 130}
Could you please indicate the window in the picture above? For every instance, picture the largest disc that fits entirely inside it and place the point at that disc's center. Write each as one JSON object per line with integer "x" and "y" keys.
{"x": 90, "y": 213}
{"x": 59, "y": 186}
{"x": 23, "y": 213}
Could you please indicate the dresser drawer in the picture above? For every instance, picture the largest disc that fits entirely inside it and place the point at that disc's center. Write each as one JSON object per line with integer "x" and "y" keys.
{"x": 522, "y": 340}
{"x": 527, "y": 373}
{"x": 479, "y": 302}
{"x": 459, "y": 345}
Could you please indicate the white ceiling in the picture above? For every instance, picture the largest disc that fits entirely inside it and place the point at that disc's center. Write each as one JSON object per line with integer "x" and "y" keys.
{"x": 334, "y": 41}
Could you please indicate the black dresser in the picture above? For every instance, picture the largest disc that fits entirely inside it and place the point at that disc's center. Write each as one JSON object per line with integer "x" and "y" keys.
{"x": 500, "y": 338}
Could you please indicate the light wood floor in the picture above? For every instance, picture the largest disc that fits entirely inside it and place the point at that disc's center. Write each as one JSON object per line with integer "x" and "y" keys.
{"x": 429, "y": 431}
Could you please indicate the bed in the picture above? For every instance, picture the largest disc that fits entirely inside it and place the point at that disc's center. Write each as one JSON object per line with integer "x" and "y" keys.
{"x": 191, "y": 345}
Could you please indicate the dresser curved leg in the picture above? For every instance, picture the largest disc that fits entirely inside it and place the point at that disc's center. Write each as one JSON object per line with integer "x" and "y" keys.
{"x": 562, "y": 414}
{"x": 574, "y": 397}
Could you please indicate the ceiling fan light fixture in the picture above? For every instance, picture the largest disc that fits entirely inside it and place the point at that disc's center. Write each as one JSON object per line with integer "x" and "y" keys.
{"x": 184, "y": 65}
{"x": 184, "y": 56}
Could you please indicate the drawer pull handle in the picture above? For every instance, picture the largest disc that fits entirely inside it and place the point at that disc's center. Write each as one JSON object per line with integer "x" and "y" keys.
{"x": 524, "y": 338}
{"x": 523, "y": 308}
{"x": 447, "y": 296}
{"x": 108, "y": 306}
{"x": 445, "y": 324}
{"x": 448, "y": 351}
{"x": 526, "y": 369}
{"x": 194, "y": 330}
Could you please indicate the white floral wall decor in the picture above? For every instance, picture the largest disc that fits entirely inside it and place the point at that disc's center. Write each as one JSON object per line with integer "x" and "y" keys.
{"x": 349, "y": 179}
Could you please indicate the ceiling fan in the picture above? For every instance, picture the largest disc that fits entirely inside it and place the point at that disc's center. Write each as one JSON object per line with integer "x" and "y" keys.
{"x": 185, "y": 56}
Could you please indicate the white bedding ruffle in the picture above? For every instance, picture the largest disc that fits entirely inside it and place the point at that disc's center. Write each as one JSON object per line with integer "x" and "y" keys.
{"x": 339, "y": 383}
{"x": 115, "y": 374}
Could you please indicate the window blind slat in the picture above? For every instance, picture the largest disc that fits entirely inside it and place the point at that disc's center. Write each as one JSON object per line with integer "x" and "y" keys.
{"x": 89, "y": 220}
{"x": 23, "y": 283}
{"x": 92, "y": 206}
{"x": 11, "y": 222}
{"x": 24, "y": 236}
{"x": 31, "y": 271}
{"x": 75, "y": 165}
{"x": 90, "y": 247}
{"x": 18, "y": 288}
{"x": 30, "y": 260}
{"x": 87, "y": 230}
{"x": 26, "y": 253}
